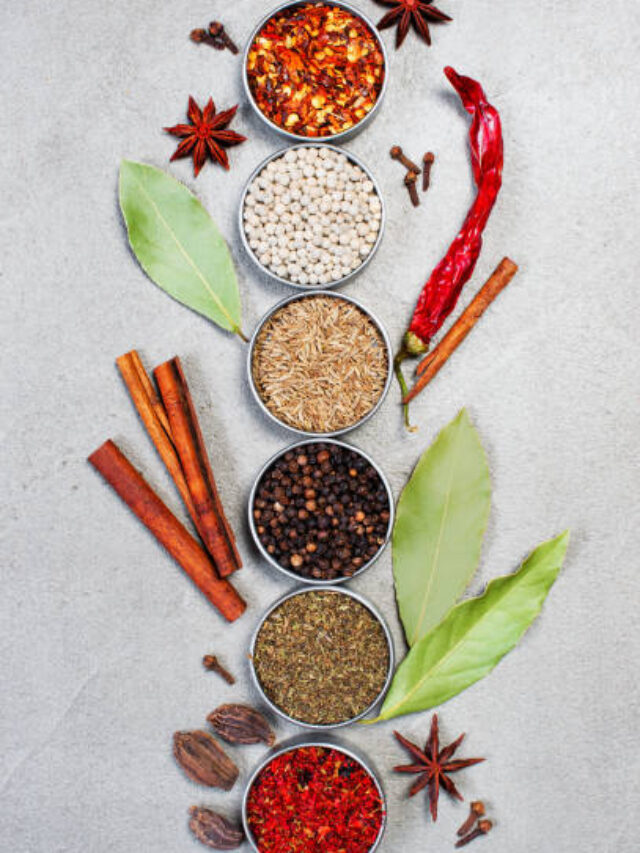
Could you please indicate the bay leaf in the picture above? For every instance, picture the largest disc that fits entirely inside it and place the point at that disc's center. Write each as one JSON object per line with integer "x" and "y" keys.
{"x": 441, "y": 518}
{"x": 474, "y": 636}
{"x": 178, "y": 244}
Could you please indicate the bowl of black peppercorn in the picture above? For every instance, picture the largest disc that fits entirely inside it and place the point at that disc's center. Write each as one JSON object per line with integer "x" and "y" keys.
{"x": 321, "y": 511}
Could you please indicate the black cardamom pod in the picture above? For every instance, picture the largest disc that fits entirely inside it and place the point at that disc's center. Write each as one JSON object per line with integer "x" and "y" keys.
{"x": 241, "y": 724}
{"x": 204, "y": 760}
{"x": 213, "y": 830}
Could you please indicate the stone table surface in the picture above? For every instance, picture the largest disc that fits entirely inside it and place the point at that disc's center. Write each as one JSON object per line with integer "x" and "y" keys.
{"x": 102, "y": 634}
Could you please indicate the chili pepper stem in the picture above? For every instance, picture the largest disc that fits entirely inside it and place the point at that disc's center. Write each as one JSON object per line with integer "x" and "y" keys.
{"x": 401, "y": 355}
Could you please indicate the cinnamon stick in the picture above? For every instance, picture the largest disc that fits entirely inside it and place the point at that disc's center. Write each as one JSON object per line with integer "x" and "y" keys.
{"x": 149, "y": 389}
{"x": 154, "y": 418}
{"x": 432, "y": 363}
{"x": 130, "y": 485}
{"x": 212, "y": 523}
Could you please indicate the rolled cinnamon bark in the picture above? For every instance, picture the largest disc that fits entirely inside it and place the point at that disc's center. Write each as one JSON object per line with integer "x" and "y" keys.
{"x": 130, "y": 485}
{"x": 433, "y": 362}
{"x": 212, "y": 523}
{"x": 154, "y": 418}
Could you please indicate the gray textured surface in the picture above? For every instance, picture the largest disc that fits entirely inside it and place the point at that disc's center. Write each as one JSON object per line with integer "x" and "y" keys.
{"x": 102, "y": 635}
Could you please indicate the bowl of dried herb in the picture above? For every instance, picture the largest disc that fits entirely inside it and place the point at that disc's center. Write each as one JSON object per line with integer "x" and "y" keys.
{"x": 321, "y": 512}
{"x": 321, "y": 794}
{"x": 314, "y": 70}
{"x": 322, "y": 658}
{"x": 320, "y": 364}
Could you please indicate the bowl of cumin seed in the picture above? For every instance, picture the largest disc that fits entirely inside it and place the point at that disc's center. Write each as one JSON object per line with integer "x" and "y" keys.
{"x": 320, "y": 364}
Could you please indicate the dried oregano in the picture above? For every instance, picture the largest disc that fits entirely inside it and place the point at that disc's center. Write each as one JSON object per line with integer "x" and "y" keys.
{"x": 322, "y": 657}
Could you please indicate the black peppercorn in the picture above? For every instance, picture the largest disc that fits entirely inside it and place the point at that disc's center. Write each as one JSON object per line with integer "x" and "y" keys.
{"x": 322, "y": 511}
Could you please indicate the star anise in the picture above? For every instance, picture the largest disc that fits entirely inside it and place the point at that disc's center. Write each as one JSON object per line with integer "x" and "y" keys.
{"x": 207, "y": 135}
{"x": 407, "y": 12}
{"x": 434, "y": 764}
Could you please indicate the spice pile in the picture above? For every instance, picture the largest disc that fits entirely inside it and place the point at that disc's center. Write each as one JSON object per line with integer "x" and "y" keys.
{"x": 322, "y": 657}
{"x": 322, "y": 511}
{"x": 206, "y": 763}
{"x": 314, "y": 798}
{"x": 320, "y": 364}
{"x": 216, "y": 36}
{"x": 434, "y": 764}
{"x": 413, "y": 172}
{"x": 315, "y": 69}
{"x": 312, "y": 216}
{"x": 170, "y": 419}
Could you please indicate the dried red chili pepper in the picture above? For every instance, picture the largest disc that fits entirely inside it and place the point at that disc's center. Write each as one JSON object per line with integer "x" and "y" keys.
{"x": 441, "y": 292}
{"x": 314, "y": 799}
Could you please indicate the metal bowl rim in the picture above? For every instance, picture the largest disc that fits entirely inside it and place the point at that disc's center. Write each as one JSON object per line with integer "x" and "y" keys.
{"x": 332, "y": 294}
{"x": 312, "y": 582}
{"x": 350, "y": 132}
{"x": 305, "y": 744}
{"x": 340, "y": 282}
{"x": 325, "y": 727}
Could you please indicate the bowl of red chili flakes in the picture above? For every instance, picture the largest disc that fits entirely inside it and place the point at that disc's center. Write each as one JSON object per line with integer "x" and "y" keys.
{"x": 314, "y": 795}
{"x": 316, "y": 70}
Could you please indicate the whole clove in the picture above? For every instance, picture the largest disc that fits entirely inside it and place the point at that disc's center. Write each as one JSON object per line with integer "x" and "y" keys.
{"x": 482, "y": 828}
{"x": 201, "y": 36}
{"x": 216, "y": 36}
{"x": 398, "y": 154}
{"x": 410, "y": 182}
{"x": 212, "y": 663}
{"x": 217, "y": 31}
{"x": 214, "y": 830}
{"x": 242, "y": 724}
{"x": 203, "y": 760}
{"x": 427, "y": 163}
{"x": 476, "y": 811}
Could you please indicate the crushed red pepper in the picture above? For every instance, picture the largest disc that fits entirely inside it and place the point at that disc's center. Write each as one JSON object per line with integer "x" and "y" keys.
{"x": 315, "y": 69}
{"x": 314, "y": 799}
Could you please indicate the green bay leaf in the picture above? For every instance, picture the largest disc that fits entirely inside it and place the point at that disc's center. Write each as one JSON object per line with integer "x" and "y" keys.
{"x": 475, "y": 635}
{"x": 178, "y": 244}
{"x": 440, "y": 522}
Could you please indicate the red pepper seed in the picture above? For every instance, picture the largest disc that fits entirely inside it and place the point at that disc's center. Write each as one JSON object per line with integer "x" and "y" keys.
{"x": 315, "y": 70}
{"x": 314, "y": 798}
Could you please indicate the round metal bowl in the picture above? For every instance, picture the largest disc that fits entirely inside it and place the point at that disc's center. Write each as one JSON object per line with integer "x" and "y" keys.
{"x": 300, "y": 743}
{"x": 311, "y": 582}
{"x": 329, "y": 726}
{"x": 332, "y": 295}
{"x": 345, "y": 134}
{"x": 311, "y": 287}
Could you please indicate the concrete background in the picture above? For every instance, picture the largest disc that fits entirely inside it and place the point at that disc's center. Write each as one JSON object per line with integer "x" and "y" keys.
{"x": 102, "y": 635}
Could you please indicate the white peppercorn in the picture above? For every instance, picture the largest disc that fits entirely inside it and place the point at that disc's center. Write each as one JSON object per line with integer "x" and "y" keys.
{"x": 312, "y": 216}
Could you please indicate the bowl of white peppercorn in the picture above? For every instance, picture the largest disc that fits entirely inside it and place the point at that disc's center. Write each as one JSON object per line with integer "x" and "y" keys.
{"x": 312, "y": 216}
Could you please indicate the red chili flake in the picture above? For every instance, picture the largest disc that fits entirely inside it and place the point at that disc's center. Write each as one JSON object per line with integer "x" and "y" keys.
{"x": 315, "y": 69}
{"x": 314, "y": 800}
